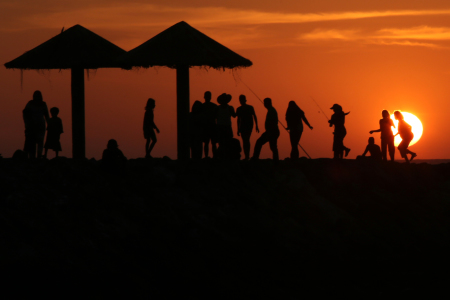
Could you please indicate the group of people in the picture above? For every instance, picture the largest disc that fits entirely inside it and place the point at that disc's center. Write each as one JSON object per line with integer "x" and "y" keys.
{"x": 387, "y": 138}
{"x": 37, "y": 122}
{"x": 212, "y": 124}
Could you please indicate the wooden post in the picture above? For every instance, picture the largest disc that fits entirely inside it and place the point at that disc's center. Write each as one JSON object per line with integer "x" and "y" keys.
{"x": 183, "y": 112}
{"x": 78, "y": 127}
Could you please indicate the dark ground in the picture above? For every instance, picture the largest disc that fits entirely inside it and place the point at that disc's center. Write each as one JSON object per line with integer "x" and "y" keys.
{"x": 169, "y": 229}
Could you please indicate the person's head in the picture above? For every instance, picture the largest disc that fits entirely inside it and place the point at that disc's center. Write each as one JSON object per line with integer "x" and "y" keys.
{"x": 371, "y": 140}
{"x": 385, "y": 113}
{"x": 267, "y": 102}
{"x": 223, "y": 99}
{"x": 398, "y": 115}
{"x": 54, "y": 111}
{"x": 207, "y": 96}
{"x": 37, "y": 96}
{"x": 229, "y": 97}
{"x": 292, "y": 105}
{"x": 196, "y": 107}
{"x": 336, "y": 108}
{"x": 150, "y": 104}
{"x": 112, "y": 144}
{"x": 242, "y": 99}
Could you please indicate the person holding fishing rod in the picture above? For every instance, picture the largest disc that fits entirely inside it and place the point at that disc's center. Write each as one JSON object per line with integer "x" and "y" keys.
{"x": 295, "y": 118}
{"x": 338, "y": 120}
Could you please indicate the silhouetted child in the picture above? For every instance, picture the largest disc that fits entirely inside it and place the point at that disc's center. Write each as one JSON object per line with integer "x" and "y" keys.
{"x": 149, "y": 127}
{"x": 404, "y": 129}
{"x": 54, "y": 130}
{"x": 295, "y": 118}
{"x": 373, "y": 149}
{"x": 112, "y": 158}
{"x": 387, "y": 137}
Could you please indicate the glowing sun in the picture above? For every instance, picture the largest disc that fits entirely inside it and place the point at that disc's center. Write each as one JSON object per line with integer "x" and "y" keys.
{"x": 416, "y": 127}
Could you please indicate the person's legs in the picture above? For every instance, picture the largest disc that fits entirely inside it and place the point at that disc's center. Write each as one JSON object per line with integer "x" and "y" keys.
{"x": 147, "y": 143}
{"x": 391, "y": 146}
{"x": 384, "y": 144}
{"x": 259, "y": 143}
{"x": 152, "y": 137}
{"x": 294, "y": 137}
{"x": 273, "y": 145}
{"x": 246, "y": 143}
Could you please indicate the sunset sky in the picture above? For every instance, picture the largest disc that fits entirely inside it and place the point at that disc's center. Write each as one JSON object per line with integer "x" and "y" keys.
{"x": 365, "y": 55}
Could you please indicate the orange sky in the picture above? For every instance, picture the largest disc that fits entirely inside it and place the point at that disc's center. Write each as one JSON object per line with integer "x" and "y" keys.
{"x": 365, "y": 55}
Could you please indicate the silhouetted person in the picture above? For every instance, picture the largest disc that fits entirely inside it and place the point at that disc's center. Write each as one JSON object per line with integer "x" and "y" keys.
{"x": 338, "y": 120}
{"x": 404, "y": 129}
{"x": 196, "y": 127}
{"x": 112, "y": 158}
{"x": 35, "y": 115}
{"x": 223, "y": 118}
{"x": 149, "y": 127}
{"x": 373, "y": 149}
{"x": 210, "y": 129}
{"x": 54, "y": 130}
{"x": 295, "y": 118}
{"x": 387, "y": 137}
{"x": 245, "y": 115}
{"x": 272, "y": 131}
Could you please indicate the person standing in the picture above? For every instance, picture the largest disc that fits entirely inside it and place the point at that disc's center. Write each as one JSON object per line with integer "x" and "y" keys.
{"x": 223, "y": 119}
{"x": 404, "y": 129}
{"x": 387, "y": 137}
{"x": 338, "y": 120}
{"x": 245, "y": 116}
{"x": 150, "y": 127}
{"x": 209, "y": 111}
{"x": 295, "y": 118}
{"x": 196, "y": 125}
{"x": 54, "y": 130}
{"x": 271, "y": 134}
{"x": 35, "y": 116}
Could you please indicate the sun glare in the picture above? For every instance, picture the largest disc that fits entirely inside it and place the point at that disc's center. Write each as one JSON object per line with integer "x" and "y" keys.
{"x": 416, "y": 127}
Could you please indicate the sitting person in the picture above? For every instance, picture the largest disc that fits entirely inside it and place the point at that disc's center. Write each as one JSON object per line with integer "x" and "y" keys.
{"x": 113, "y": 158}
{"x": 373, "y": 149}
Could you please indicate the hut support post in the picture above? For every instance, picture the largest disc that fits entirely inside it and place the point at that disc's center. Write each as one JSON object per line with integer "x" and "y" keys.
{"x": 183, "y": 112}
{"x": 78, "y": 127}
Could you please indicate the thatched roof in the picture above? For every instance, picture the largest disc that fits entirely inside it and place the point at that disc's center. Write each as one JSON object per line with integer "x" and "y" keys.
{"x": 75, "y": 47}
{"x": 182, "y": 44}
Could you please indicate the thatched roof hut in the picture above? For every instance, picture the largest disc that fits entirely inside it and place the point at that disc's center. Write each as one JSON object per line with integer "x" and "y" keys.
{"x": 77, "y": 49}
{"x": 181, "y": 47}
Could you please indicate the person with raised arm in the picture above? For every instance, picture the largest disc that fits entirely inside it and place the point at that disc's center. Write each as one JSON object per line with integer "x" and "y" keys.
{"x": 387, "y": 137}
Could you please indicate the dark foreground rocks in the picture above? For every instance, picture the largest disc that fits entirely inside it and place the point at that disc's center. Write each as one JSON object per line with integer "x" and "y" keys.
{"x": 167, "y": 229}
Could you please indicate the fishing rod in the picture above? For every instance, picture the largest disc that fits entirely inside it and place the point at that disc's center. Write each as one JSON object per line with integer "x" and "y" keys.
{"x": 278, "y": 120}
{"x": 320, "y": 108}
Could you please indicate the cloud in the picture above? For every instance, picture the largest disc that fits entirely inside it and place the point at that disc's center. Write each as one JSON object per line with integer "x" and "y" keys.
{"x": 416, "y": 33}
{"x": 331, "y": 34}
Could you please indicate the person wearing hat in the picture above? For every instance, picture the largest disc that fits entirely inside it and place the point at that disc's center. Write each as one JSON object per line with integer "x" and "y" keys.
{"x": 224, "y": 113}
{"x": 272, "y": 131}
{"x": 338, "y": 120}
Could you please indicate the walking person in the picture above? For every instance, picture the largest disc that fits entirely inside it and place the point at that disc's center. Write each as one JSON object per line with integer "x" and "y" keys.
{"x": 54, "y": 130}
{"x": 295, "y": 118}
{"x": 338, "y": 120}
{"x": 404, "y": 129}
{"x": 387, "y": 137}
{"x": 271, "y": 134}
{"x": 150, "y": 127}
{"x": 35, "y": 116}
{"x": 209, "y": 111}
{"x": 245, "y": 116}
